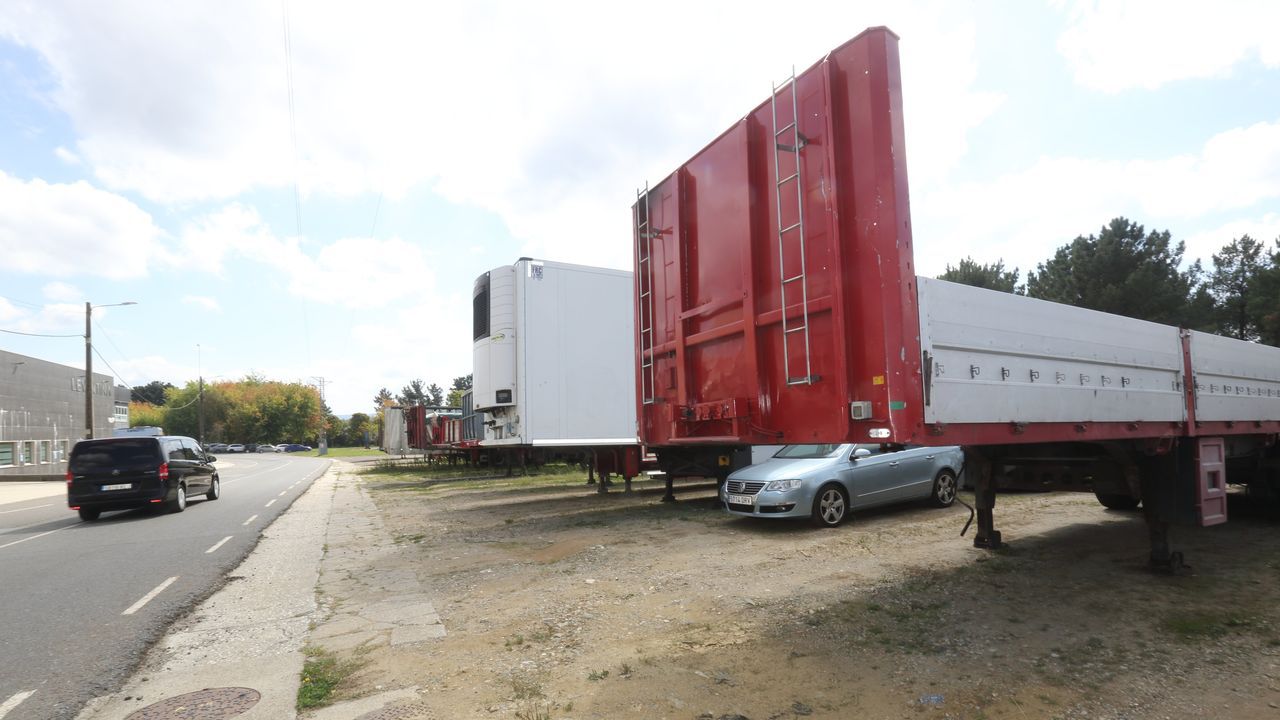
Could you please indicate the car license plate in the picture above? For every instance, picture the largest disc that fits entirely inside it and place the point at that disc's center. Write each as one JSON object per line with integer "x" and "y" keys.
{"x": 741, "y": 500}
{"x": 124, "y": 486}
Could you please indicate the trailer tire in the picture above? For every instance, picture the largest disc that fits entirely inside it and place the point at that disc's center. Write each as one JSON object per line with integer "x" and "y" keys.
{"x": 944, "y": 489}
{"x": 830, "y": 505}
{"x": 1118, "y": 501}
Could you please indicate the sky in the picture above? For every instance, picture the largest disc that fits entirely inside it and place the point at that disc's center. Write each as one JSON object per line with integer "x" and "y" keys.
{"x": 307, "y": 190}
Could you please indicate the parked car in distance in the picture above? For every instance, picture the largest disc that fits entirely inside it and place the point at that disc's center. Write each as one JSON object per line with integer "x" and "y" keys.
{"x": 122, "y": 473}
{"x": 215, "y": 447}
{"x": 266, "y": 447}
{"x": 295, "y": 447}
{"x": 235, "y": 448}
{"x": 827, "y": 482}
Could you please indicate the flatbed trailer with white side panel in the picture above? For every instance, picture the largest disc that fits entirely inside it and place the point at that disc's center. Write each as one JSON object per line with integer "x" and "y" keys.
{"x": 776, "y": 301}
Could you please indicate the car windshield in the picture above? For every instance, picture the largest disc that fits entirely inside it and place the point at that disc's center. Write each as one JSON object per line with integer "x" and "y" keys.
{"x": 807, "y": 451}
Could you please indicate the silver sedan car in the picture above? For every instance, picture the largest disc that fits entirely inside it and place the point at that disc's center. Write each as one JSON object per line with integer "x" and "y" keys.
{"x": 827, "y": 482}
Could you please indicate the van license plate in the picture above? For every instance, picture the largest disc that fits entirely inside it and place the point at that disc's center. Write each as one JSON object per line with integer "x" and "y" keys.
{"x": 741, "y": 500}
{"x": 125, "y": 486}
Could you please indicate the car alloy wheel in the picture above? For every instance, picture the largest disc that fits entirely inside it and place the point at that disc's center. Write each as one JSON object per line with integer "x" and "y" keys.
{"x": 831, "y": 506}
{"x": 944, "y": 489}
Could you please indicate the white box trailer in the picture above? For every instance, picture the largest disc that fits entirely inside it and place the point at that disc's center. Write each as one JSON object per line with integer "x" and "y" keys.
{"x": 554, "y": 355}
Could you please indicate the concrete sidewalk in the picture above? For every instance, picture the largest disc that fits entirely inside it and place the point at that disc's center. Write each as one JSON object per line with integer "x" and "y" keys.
{"x": 241, "y": 651}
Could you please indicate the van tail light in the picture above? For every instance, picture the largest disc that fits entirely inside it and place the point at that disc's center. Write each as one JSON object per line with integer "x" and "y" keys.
{"x": 68, "y": 477}
{"x": 164, "y": 471}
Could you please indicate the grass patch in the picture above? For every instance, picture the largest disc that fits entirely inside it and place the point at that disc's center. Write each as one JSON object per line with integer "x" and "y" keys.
{"x": 1209, "y": 625}
{"x": 322, "y": 675}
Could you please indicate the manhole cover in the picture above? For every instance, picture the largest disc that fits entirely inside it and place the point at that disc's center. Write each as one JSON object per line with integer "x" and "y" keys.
{"x": 411, "y": 711}
{"x": 209, "y": 704}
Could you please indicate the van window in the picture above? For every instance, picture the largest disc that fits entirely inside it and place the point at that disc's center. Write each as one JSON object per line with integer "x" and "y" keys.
{"x": 90, "y": 456}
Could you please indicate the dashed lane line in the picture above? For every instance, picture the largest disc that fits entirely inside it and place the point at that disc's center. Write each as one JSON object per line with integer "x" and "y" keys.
{"x": 149, "y": 596}
{"x": 33, "y": 537}
{"x": 218, "y": 544}
{"x": 35, "y": 507}
{"x": 251, "y": 519}
{"x": 273, "y": 502}
{"x": 14, "y": 701}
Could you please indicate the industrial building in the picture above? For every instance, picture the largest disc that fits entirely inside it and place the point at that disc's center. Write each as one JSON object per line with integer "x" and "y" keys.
{"x": 42, "y": 414}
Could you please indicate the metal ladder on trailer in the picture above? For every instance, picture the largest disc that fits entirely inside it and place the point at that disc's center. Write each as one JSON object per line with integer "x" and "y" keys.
{"x": 797, "y": 335}
{"x": 644, "y": 303}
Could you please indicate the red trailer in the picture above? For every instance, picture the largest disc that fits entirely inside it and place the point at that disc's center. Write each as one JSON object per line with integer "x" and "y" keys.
{"x": 777, "y": 302}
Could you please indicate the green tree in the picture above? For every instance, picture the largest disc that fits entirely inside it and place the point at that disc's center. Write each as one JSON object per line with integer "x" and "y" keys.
{"x": 435, "y": 395}
{"x": 1127, "y": 271}
{"x": 153, "y": 392}
{"x": 992, "y": 277}
{"x": 413, "y": 394}
{"x": 143, "y": 414}
{"x": 383, "y": 397}
{"x": 1264, "y": 301}
{"x": 1235, "y": 274}
{"x": 358, "y": 425}
{"x": 461, "y": 384}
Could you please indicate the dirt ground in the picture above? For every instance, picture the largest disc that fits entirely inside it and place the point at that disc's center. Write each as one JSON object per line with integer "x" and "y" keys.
{"x": 562, "y": 603}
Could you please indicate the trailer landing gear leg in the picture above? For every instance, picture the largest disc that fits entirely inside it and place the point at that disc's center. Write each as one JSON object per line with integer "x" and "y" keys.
{"x": 988, "y": 538}
{"x": 670, "y": 494}
{"x": 603, "y": 487}
{"x": 1156, "y": 495}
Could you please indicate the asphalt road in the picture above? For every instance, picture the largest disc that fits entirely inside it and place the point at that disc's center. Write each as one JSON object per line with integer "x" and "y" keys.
{"x": 81, "y": 602}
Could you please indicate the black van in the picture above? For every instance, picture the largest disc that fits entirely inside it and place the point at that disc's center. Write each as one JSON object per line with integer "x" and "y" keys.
{"x": 120, "y": 473}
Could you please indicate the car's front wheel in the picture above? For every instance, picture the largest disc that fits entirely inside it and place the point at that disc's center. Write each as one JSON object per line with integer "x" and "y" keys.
{"x": 215, "y": 489}
{"x": 831, "y": 505}
{"x": 88, "y": 515}
{"x": 1118, "y": 501}
{"x": 944, "y": 489}
{"x": 179, "y": 501}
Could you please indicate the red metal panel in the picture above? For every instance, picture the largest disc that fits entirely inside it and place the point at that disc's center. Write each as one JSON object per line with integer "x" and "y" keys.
{"x": 1211, "y": 481}
{"x": 717, "y": 270}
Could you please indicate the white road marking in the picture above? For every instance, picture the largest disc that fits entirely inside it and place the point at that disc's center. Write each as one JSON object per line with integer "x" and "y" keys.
{"x": 251, "y": 519}
{"x": 33, "y": 507}
{"x": 282, "y": 493}
{"x": 14, "y": 702}
{"x": 273, "y": 502}
{"x": 219, "y": 544}
{"x": 33, "y": 537}
{"x": 149, "y": 596}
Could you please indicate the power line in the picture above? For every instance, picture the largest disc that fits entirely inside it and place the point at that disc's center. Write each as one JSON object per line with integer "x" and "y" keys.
{"x": 21, "y": 302}
{"x": 15, "y": 332}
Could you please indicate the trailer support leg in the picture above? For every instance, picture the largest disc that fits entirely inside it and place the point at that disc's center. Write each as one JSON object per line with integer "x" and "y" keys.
{"x": 1157, "y": 499}
{"x": 627, "y": 484}
{"x": 978, "y": 467}
{"x": 670, "y": 494}
{"x": 603, "y": 487}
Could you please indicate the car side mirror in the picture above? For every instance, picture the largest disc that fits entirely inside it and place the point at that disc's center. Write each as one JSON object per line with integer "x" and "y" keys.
{"x": 210, "y": 458}
{"x": 861, "y": 453}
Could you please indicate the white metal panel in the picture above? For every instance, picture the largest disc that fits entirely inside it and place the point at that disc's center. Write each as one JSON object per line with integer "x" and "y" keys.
{"x": 494, "y": 356}
{"x": 576, "y": 362}
{"x": 999, "y": 357}
{"x": 1235, "y": 380}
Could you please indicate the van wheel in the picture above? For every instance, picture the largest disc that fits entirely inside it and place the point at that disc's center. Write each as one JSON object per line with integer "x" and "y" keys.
{"x": 215, "y": 489}
{"x": 88, "y": 515}
{"x": 179, "y": 502}
{"x": 831, "y": 506}
{"x": 944, "y": 489}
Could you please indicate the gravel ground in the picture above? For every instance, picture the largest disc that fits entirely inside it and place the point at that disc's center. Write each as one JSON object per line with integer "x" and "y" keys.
{"x": 562, "y": 603}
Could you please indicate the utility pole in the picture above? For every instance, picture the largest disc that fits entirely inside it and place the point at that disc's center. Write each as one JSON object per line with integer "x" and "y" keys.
{"x": 88, "y": 363}
{"x": 324, "y": 429}
{"x": 88, "y": 370}
{"x": 200, "y": 407}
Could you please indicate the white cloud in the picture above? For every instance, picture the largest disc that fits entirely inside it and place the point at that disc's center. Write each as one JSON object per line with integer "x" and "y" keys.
{"x": 1034, "y": 211}
{"x": 201, "y": 301}
{"x": 1122, "y": 44}
{"x": 62, "y": 292}
{"x": 352, "y": 272}
{"x": 1265, "y": 229}
{"x": 66, "y": 156}
{"x": 75, "y": 229}
{"x": 527, "y": 110}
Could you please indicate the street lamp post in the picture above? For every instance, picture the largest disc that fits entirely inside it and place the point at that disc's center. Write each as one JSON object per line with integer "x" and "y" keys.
{"x": 88, "y": 363}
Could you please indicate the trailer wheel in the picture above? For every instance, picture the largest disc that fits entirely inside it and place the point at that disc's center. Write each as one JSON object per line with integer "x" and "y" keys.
{"x": 1118, "y": 501}
{"x": 944, "y": 489}
{"x": 831, "y": 506}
